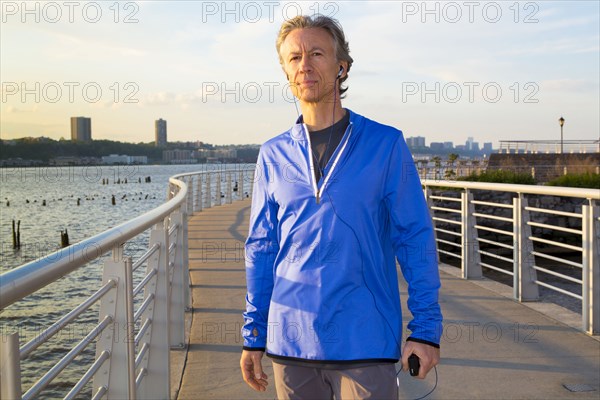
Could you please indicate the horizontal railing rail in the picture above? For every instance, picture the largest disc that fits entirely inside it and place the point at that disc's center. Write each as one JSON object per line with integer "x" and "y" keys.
{"x": 549, "y": 146}
{"x": 151, "y": 314}
{"x": 539, "y": 236}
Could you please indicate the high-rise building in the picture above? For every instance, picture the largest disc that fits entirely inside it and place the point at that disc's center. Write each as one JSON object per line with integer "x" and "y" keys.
{"x": 81, "y": 129}
{"x": 415, "y": 142}
{"x": 160, "y": 132}
{"x": 469, "y": 143}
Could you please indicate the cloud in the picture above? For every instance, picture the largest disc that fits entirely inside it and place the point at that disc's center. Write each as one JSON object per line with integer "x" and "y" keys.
{"x": 16, "y": 110}
{"x": 158, "y": 99}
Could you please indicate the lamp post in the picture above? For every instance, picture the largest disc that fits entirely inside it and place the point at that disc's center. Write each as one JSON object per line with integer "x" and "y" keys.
{"x": 561, "y": 121}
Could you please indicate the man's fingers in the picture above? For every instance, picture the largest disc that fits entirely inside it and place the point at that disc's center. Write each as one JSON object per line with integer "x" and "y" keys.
{"x": 252, "y": 371}
{"x": 258, "y": 371}
{"x": 256, "y": 384}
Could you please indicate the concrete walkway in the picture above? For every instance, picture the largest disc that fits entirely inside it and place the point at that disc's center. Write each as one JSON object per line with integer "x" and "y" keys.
{"x": 492, "y": 347}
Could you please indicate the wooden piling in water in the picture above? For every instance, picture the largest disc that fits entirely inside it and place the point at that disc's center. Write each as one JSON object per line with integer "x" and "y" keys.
{"x": 16, "y": 234}
{"x": 64, "y": 238}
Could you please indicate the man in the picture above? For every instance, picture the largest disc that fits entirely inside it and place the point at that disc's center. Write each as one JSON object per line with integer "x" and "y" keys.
{"x": 336, "y": 201}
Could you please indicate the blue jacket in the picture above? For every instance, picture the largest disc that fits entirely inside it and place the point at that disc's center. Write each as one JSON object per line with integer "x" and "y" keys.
{"x": 321, "y": 256}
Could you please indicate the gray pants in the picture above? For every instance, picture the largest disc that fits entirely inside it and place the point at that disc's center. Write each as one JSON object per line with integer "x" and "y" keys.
{"x": 372, "y": 382}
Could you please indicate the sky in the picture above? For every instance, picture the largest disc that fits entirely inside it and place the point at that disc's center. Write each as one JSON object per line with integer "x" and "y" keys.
{"x": 445, "y": 70}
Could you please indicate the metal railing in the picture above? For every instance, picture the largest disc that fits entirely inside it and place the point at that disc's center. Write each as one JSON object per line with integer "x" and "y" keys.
{"x": 136, "y": 364}
{"x": 524, "y": 232}
{"x": 507, "y": 229}
{"x": 549, "y": 146}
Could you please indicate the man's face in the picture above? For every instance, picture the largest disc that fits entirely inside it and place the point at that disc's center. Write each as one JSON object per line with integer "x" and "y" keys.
{"x": 310, "y": 63}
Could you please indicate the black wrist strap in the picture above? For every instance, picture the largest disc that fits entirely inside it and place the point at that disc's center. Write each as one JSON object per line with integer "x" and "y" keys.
{"x": 427, "y": 342}
{"x": 254, "y": 348}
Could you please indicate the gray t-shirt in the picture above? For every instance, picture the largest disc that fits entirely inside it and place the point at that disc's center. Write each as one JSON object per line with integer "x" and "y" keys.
{"x": 325, "y": 141}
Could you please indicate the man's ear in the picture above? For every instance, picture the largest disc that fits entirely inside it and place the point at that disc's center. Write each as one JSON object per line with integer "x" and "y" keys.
{"x": 344, "y": 65}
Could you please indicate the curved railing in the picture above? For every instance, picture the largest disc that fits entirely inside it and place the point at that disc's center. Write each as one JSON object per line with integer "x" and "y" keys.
{"x": 137, "y": 326}
{"x": 538, "y": 236}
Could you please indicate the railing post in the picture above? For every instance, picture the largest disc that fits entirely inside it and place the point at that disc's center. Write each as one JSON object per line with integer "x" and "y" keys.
{"x": 157, "y": 382}
{"x": 130, "y": 329}
{"x": 190, "y": 193}
{"x": 249, "y": 174}
{"x": 10, "y": 367}
{"x": 199, "y": 195}
{"x": 114, "y": 372}
{"x": 240, "y": 179}
{"x": 229, "y": 195}
{"x": 516, "y": 254}
{"x": 187, "y": 293}
{"x": 471, "y": 260}
{"x": 218, "y": 189}
{"x": 177, "y": 301}
{"x": 208, "y": 194}
{"x": 527, "y": 289}
{"x": 183, "y": 258}
{"x": 591, "y": 269}
{"x": 254, "y": 177}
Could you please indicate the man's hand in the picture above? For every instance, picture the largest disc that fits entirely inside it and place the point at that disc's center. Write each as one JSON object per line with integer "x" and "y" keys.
{"x": 429, "y": 357}
{"x": 252, "y": 371}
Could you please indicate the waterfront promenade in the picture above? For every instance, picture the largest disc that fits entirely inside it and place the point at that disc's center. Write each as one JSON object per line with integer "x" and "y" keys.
{"x": 492, "y": 347}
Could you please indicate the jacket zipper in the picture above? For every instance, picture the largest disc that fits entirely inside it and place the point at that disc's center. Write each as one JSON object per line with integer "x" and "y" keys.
{"x": 319, "y": 192}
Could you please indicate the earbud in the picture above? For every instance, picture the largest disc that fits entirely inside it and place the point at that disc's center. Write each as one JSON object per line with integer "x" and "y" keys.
{"x": 339, "y": 75}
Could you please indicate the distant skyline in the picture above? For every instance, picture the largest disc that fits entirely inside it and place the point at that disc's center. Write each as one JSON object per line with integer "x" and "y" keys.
{"x": 442, "y": 70}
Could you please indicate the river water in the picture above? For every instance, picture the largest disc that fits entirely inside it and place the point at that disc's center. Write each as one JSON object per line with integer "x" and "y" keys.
{"x": 45, "y": 201}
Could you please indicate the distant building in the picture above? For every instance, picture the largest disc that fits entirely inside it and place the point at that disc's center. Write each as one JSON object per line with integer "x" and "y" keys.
{"x": 138, "y": 159}
{"x": 487, "y": 147}
{"x": 414, "y": 142}
{"x": 217, "y": 154}
{"x": 160, "y": 132}
{"x": 471, "y": 145}
{"x": 124, "y": 159}
{"x": 81, "y": 129}
{"x": 178, "y": 156}
{"x": 436, "y": 146}
{"x": 448, "y": 145}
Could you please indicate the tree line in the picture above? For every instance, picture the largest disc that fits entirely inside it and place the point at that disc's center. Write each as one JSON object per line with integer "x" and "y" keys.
{"x": 47, "y": 149}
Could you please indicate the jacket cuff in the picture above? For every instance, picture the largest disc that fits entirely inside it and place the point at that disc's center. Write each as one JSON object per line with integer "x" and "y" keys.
{"x": 427, "y": 342}
{"x": 254, "y": 348}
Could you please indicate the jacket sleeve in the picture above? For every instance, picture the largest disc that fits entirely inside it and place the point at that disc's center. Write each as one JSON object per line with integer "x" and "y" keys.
{"x": 261, "y": 249}
{"x": 414, "y": 243}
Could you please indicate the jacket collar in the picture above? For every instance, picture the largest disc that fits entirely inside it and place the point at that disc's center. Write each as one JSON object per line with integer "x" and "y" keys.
{"x": 297, "y": 130}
